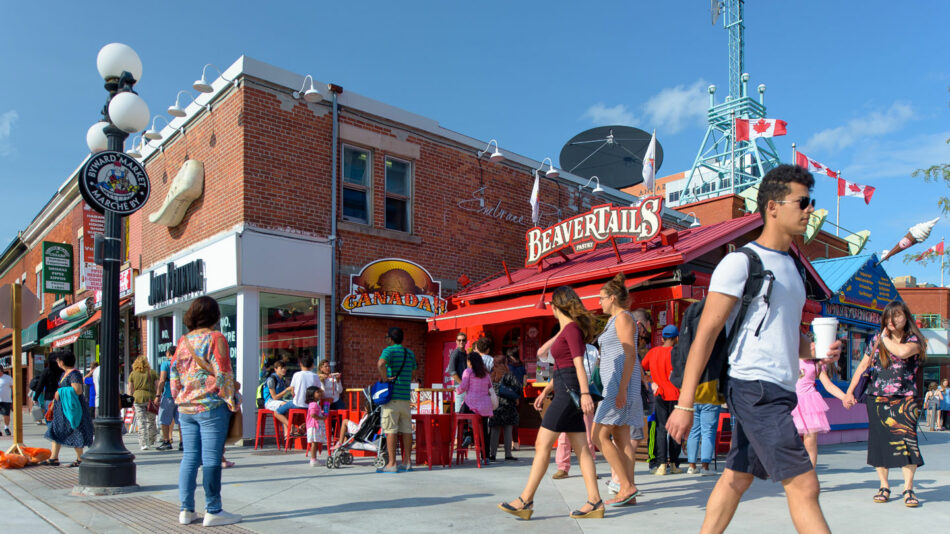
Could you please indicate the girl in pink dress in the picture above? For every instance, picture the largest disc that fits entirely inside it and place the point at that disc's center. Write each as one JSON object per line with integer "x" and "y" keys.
{"x": 809, "y": 415}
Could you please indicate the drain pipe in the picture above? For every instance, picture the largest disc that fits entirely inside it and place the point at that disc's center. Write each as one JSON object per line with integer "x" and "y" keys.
{"x": 334, "y": 90}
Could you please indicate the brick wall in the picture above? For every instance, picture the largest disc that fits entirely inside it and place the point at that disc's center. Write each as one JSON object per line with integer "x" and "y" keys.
{"x": 927, "y": 300}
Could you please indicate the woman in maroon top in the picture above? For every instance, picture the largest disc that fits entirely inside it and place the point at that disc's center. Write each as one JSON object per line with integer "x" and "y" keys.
{"x": 562, "y": 415}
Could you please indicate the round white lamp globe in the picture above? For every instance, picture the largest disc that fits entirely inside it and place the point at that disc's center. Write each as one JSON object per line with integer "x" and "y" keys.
{"x": 128, "y": 112}
{"x": 114, "y": 58}
{"x": 96, "y": 138}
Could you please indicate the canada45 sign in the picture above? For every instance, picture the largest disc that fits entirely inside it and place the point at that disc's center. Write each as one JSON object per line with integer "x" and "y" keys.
{"x": 602, "y": 223}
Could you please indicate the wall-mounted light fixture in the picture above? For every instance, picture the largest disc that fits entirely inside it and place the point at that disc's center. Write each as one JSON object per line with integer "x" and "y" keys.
{"x": 596, "y": 189}
{"x": 175, "y": 110}
{"x": 153, "y": 133}
{"x": 551, "y": 172}
{"x": 310, "y": 95}
{"x": 136, "y": 150}
{"x": 495, "y": 156}
{"x": 203, "y": 86}
{"x": 695, "y": 222}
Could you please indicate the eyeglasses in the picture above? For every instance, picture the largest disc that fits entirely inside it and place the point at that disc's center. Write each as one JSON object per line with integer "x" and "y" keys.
{"x": 803, "y": 202}
{"x": 462, "y": 339}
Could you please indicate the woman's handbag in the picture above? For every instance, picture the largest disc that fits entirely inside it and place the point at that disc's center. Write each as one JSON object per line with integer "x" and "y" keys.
{"x": 49, "y": 411}
{"x": 126, "y": 401}
{"x": 506, "y": 392}
{"x": 494, "y": 398}
{"x": 235, "y": 429}
{"x": 152, "y": 407}
{"x": 860, "y": 389}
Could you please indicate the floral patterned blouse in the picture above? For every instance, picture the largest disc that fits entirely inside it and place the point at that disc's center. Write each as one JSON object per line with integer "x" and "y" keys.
{"x": 195, "y": 389}
{"x": 898, "y": 379}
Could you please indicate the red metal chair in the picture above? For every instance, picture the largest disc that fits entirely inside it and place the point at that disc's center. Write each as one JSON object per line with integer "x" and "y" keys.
{"x": 475, "y": 421}
{"x": 723, "y": 437}
{"x": 297, "y": 417}
{"x": 259, "y": 434}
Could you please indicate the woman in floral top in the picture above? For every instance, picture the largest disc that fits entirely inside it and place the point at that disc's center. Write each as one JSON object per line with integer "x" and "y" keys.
{"x": 895, "y": 356}
{"x": 202, "y": 383}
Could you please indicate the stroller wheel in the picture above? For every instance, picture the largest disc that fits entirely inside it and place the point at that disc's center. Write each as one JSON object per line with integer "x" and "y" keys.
{"x": 381, "y": 460}
{"x": 347, "y": 458}
{"x": 330, "y": 463}
{"x": 336, "y": 463}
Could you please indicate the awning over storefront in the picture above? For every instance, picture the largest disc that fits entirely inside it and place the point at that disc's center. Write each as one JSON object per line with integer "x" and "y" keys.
{"x": 64, "y": 334}
{"x": 33, "y": 333}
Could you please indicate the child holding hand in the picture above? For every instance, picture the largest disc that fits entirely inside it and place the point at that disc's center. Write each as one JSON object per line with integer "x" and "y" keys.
{"x": 316, "y": 429}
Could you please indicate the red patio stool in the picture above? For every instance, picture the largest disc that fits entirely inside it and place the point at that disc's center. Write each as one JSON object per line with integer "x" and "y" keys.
{"x": 297, "y": 417}
{"x": 333, "y": 422}
{"x": 260, "y": 434}
{"x": 475, "y": 420}
{"x": 723, "y": 437}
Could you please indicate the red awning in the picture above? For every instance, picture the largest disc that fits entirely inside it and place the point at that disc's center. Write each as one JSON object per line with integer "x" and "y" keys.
{"x": 519, "y": 308}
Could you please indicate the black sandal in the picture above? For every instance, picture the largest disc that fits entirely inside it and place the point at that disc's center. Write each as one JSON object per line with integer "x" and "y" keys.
{"x": 597, "y": 512}
{"x": 883, "y": 495}
{"x": 75, "y": 464}
{"x": 910, "y": 499}
{"x": 524, "y": 512}
{"x": 52, "y": 462}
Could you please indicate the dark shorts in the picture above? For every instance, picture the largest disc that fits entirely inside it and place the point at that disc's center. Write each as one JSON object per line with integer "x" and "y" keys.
{"x": 765, "y": 442}
{"x": 5, "y": 408}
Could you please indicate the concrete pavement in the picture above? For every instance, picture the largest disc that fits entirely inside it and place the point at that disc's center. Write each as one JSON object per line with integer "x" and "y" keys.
{"x": 280, "y": 492}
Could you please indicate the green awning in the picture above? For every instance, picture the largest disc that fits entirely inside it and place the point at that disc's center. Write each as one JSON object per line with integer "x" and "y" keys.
{"x": 69, "y": 329}
{"x": 33, "y": 333}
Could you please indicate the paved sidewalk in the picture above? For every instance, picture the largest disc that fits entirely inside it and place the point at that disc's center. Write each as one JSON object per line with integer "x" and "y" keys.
{"x": 280, "y": 492}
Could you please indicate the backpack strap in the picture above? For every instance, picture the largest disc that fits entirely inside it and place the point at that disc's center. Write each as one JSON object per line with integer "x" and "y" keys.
{"x": 753, "y": 285}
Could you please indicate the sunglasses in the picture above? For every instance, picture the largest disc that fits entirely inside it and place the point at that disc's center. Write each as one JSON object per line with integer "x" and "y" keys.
{"x": 803, "y": 202}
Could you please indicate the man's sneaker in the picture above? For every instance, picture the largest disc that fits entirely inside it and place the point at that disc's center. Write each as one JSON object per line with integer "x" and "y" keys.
{"x": 707, "y": 472}
{"x": 186, "y": 518}
{"x": 660, "y": 470}
{"x": 613, "y": 487}
{"x": 6, "y": 431}
{"x": 692, "y": 471}
{"x": 673, "y": 470}
{"x": 466, "y": 442}
{"x": 144, "y": 447}
{"x": 220, "y": 518}
{"x": 165, "y": 446}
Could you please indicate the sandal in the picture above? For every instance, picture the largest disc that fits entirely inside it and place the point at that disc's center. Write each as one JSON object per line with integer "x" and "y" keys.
{"x": 597, "y": 512}
{"x": 882, "y": 495}
{"x": 910, "y": 499}
{"x": 53, "y": 462}
{"x": 75, "y": 463}
{"x": 524, "y": 512}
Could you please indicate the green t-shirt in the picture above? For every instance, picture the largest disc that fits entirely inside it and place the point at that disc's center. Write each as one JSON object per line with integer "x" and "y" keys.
{"x": 393, "y": 355}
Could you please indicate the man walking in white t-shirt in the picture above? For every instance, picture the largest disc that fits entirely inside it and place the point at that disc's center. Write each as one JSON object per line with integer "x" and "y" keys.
{"x": 6, "y": 399}
{"x": 763, "y": 369}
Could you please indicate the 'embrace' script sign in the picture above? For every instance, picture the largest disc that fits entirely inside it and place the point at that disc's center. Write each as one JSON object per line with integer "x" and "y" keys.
{"x": 602, "y": 223}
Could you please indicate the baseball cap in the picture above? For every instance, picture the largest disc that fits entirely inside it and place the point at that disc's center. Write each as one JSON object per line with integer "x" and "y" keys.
{"x": 670, "y": 331}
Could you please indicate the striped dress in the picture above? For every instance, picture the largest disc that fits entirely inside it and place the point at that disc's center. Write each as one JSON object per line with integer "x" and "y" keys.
{"x": 611, "y": 372}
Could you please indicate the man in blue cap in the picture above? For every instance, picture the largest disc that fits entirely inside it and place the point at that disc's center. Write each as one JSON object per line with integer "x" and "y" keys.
{"x": 658, "y": 364}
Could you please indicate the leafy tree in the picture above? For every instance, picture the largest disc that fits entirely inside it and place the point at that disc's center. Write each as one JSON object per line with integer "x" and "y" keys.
{"x": 934, "y": 173}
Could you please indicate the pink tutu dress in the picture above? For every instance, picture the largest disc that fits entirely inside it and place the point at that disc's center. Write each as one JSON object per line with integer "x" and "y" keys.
{"x": 809, "y": 415}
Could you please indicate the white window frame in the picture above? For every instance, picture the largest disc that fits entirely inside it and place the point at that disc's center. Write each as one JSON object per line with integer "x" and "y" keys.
{"x": 39, "y": 287}
{"x": 411, "y": 190}
{"x": 368, "y": 187}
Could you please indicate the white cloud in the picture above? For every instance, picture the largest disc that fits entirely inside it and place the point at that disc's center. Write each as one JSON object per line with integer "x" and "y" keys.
{"x": 675, "y": 108}
{"x": 601, "y": 115}
{"x": 898, "y": 160}
{"x": 873, "y": 124}
{"x": 6, "y": 127}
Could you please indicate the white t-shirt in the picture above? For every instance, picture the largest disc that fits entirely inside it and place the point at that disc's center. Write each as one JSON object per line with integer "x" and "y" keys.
{"x": 773, "y": 355}
{"x": 95, "y": 383}
{"x": 300, "y": 382}
{"x": 6, "y": 388}
{"x": 489, "y": 362}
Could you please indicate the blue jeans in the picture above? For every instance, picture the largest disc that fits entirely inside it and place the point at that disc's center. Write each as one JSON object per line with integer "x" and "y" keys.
{"x": 705, "y": 421}
{"x": 203, "y": 434}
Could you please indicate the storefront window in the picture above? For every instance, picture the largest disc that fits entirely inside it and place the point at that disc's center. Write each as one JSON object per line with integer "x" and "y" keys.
{"x": 164, "y": 335}
{"x": 859, "y": 343}
{"x": 290, "y": 327}
{"x": 228, "y": 326}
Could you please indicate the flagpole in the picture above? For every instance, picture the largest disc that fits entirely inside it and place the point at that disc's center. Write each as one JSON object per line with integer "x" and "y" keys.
{"x": 654, "y": 162}
{"x": 795, "y": 156}
{"x": 732, "y": 155}
{"x": 941, "y": 265}
{"x": 837, "y": 207}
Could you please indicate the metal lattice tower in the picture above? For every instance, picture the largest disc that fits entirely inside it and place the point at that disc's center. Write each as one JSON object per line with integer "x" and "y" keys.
{"x": 721, "y": 166}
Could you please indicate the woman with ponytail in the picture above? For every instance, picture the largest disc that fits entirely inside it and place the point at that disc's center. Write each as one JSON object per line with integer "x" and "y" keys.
{"x": 563, "y": 415}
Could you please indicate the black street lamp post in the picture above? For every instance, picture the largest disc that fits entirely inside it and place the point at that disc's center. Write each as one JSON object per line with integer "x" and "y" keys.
{"x": 108, "y": 467}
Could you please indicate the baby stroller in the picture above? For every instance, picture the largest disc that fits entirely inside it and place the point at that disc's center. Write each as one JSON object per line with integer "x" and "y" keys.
{"x": 367, "y": 437}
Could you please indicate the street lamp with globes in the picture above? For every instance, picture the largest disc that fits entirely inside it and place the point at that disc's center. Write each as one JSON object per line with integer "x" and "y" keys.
{"x": 108, "y": 467}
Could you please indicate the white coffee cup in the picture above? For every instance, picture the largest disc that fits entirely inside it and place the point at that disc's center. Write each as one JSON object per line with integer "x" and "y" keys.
{"x": 825, "y": 328}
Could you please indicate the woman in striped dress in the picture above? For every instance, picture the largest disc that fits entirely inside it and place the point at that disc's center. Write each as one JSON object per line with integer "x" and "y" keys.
{"x": 620, "y": 375}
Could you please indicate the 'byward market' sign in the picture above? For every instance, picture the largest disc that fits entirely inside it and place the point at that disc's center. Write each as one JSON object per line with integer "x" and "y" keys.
{"x": 394, "y": 288}
{"x": 114, "y": 181}
{"x": 585, "y": 231}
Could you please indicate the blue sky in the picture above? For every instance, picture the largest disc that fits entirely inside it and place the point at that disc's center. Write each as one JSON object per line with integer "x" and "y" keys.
{"x": 863, "y": 89}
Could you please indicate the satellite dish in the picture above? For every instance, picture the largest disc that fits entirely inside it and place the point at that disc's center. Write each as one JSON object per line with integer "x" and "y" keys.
{"x": 715, "y": 8}
{"x": 612, "y": 153}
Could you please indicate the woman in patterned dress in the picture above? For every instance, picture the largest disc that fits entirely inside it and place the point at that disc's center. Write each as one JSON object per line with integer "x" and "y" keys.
{"x": 896, "y": 355}
{"x": 620, "y": 375}
{"x": 203, "y": 386}
{"x": 71, "y": 425}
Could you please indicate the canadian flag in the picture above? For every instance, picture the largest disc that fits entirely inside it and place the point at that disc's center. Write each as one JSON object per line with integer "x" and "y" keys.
{"x": 936, "y": 250}
{"x": 749, "y": 129}
{"x": 851, "y": 189}
{"x": 804, "y": 161}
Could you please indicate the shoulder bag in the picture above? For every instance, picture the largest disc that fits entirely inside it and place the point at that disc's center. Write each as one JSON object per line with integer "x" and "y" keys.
{"x": 382, "y": 392}
{"x": 235, "y": 433}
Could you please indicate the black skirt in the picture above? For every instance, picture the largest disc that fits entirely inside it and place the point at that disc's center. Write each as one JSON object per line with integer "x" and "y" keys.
{"x": 892, "y": 432}
{"x": 562, "y": 415}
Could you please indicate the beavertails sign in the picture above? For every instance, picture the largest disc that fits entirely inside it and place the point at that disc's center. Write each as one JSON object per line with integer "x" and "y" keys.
{"x": 585, "y": 231}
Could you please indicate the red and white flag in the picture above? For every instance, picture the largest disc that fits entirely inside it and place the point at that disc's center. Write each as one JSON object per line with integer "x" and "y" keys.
{"x": 804, "y": 161}
{"x": 749, "y": 129}
{"x": 851, "y": 189}
{"x": 936, "y": 250}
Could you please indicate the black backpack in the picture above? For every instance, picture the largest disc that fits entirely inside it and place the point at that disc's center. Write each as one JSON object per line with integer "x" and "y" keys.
{"x": 712, "y": 382}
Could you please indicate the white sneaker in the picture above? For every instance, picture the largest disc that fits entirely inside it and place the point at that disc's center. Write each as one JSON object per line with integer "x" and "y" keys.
{"x": 144, "y": 447}
{"x": 186, "y": 518}
{"x": 220, "y": 518}
{"x": 660, "y": 470}
{"x": 692, "y": 471}
{"x": 314, "y": 462}
{"x": 708, "y": 472}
